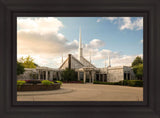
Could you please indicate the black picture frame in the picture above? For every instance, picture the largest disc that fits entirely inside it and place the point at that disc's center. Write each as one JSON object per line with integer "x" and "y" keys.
{"x": 10, "y": 9}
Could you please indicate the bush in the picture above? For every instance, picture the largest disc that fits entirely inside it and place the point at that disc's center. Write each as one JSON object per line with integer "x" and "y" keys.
{"x": 78, "y": 81}
{"x": 134, "y": 83}
{"x": 33, "y": 81}
{"x": 108, "y": 83}
{"x": 59, "y": 82}
{"x": 47, "y": 82}
{"x": 20, "y": 82}
{"x": 20, "y": 68}
{"x": 69, "y": 75}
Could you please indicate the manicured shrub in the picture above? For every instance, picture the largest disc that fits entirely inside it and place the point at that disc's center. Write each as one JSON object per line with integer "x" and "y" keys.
{"x": 134, "y": 83}
{"x": 47, "y": 82}
{"x": 123, "y": 82}
{"x": 109, "y": 83}
{"x": 78, "y": 81}
{"x": 20, "y": 82}
{"x": 59, "y": 82}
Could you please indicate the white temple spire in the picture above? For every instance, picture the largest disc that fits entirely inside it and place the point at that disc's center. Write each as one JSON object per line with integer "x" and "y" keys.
{"x": 80, "y": 40}
{"x": 109, "y": 62}
{"x": 80, "y": 46}
{"x": 90, "y": 56}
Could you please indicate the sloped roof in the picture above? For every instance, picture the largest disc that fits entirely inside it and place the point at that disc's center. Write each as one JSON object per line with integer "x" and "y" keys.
{"x": 64, "y": 63}
{"x": 86, "y": 61}
{"x": 77, "y": 60}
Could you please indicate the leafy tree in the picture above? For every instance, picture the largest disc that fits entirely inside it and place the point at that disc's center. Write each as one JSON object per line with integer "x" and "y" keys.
{"x": 69, "y": 75}
{"x": 138, "y": 60}
{"x": 138, "y": 70}
{"x": 28, "y": 62}
{"x": 20, "y": 68}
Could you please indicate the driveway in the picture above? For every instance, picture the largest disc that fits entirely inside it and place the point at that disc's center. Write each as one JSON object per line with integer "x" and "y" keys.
{"x": 85, "y": 92}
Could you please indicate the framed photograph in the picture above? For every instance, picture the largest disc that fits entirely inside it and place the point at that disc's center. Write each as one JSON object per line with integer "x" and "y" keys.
{"x": 79, "y": 59}
{"x": 53, "y": 64}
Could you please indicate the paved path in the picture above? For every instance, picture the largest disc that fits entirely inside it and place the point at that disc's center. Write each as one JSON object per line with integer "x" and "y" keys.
{"x": 85, "y": 92}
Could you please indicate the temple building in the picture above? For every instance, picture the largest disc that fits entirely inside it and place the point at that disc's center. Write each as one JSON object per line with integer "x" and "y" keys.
{"x": 86, "y": 71}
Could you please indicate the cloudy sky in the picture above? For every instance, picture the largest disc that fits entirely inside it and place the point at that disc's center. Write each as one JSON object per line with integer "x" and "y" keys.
{"x": 47, "y": 39}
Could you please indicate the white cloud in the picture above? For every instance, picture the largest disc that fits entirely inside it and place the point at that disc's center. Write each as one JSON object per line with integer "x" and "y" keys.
{"x": 98, "y": 56}
{"x": 125, "y": 60}
{"x": 141, "y": 41}
{"x": 125, "y": 22}
{"x": 40, "y": 38}
{"x": 107, "y": 18}
{"x": 41, "y": 25}
{"x": 95, "y": 43}
{"x": 116, "y": 60}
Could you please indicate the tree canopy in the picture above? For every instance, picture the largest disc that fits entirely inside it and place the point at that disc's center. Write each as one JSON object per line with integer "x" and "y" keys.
{"x": 28, "y": 62}
{"x": 137, "y": 65}
{"x": 138, "y": 70}
{"x": 138, "y": 60}
{"x": 20, "y": 68}
{"x": 69, "y": 75}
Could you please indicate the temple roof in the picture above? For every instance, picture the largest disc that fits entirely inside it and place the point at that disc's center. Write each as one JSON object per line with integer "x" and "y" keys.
{"x": 74, "y": 63}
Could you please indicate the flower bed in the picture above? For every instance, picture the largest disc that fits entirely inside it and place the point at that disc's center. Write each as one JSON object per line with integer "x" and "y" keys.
{"x": 38, "y": 87}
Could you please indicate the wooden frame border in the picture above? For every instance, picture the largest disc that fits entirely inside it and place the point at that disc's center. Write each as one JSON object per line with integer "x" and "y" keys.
{"x": 10, "y": 9}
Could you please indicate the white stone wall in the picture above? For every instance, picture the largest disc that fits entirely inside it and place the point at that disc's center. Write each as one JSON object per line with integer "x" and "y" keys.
{"x": 130, "y": 71}
{"x": 26, "y": 74}
{"x": 115, "y": 75}
{"x": 103, "y": 70}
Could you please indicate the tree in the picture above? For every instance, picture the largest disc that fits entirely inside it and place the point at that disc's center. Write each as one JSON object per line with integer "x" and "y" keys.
{"x": 138, "y": 70}
{"x": 28, "y": 62}
{"x": 138, "y": 60}
{"x": 69, "y": 75}
{"x": 20, "y": 68}
{"x": 137, "y": 65}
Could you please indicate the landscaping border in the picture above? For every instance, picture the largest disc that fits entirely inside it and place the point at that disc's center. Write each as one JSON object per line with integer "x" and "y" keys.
{"x": 38, "y": 87}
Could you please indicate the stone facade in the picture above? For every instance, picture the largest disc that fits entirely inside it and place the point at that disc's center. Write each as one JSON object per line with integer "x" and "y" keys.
{"x": 40, "y": 73}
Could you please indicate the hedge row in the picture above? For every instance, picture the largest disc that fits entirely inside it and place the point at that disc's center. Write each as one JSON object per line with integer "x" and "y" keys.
{"x": 134, "y": 83}
{"x": 72, "y": 81}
